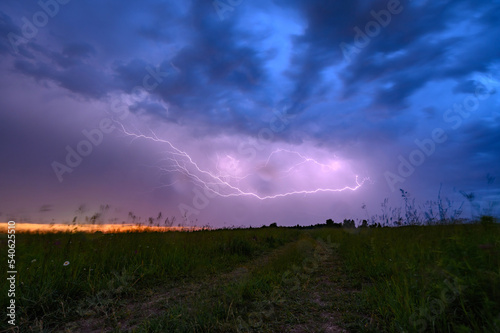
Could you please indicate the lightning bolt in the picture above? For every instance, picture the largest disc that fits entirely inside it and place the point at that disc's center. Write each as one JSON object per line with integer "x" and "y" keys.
{"x": 304, "y": 159}
{"x": 223, "y": 184}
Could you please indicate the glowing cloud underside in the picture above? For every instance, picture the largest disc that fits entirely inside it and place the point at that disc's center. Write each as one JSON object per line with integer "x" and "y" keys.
{"x": 283, "y": 172}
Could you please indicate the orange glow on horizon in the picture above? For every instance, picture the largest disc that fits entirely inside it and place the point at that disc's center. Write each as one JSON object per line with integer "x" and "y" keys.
{"x": 105, "y": 228}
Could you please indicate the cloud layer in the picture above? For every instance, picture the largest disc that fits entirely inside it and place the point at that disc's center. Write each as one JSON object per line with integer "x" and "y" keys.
{"x": 351, "y": 84}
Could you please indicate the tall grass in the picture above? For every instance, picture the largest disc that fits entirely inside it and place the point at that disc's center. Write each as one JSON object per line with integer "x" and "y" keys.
{"x": 249, "y": 303}
{"x": 106, "y": 267}
{"x": 439, "y": 278}
{"x": 432, "y": 278}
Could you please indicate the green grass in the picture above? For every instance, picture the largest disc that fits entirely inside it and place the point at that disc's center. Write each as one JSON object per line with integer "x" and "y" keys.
{"x": 407, "y": 279}
{"x": 246, "y": 304}
{"x": 106, "y": 267}
{"x": 432, "y": 278}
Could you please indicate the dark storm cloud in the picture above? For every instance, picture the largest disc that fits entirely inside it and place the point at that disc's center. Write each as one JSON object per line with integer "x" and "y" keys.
{"x": 202, "y": 76}
{"x": 472, "y": 87}
{"x": 150, "y": 108}
{"x": 218, "y": 64}
{"x": 481, "y": 142}
{"x": 211, "y": 70}
{"x": 214, "y": 71}
{"x": 424, "y": 55}
{"x": 6, "y": 27}
{"x": 82, "y": 50}
{"x": 71, "y": 74}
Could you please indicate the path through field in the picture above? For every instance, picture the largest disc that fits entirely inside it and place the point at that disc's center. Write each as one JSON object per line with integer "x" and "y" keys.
{"x": 311, "y": 295}
{"x": 326, "y": 302}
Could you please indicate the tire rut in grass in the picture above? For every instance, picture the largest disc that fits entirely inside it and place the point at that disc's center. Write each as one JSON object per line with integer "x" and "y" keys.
{"x": 326, "y": 301}
{"x": 128, "y": 314}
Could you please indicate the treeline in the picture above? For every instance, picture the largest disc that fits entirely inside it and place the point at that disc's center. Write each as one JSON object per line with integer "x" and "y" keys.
{"x": 347, "y": 223}
{"x": 351, "y": 224}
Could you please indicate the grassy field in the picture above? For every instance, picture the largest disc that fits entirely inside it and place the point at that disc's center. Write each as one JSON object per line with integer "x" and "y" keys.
{"x": 407, "y": 279}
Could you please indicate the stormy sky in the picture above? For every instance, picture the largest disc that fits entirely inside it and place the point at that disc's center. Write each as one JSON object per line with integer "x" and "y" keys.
{"x": 236, "y": 112}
